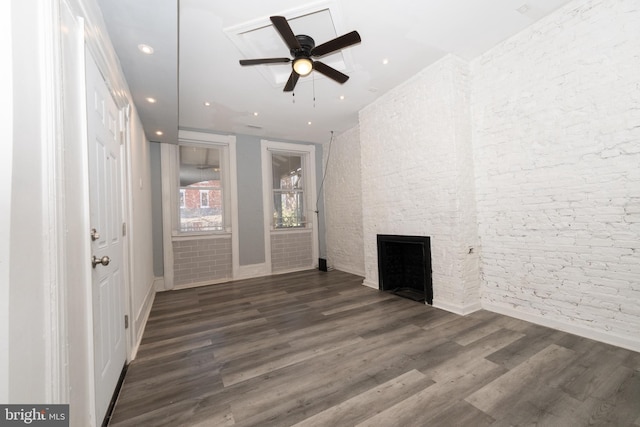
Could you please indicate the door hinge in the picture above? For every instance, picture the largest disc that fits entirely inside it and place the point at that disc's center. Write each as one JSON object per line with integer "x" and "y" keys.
{"x": 126, "y": 321}
{"x": 124, "y": 228}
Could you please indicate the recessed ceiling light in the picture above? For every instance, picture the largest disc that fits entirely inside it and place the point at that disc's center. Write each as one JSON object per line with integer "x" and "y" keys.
{"x": 206, "y": 104}
{"x": 151, "y": 100}
{"x": 159, "y": 133}
{"x": 145, "y": 48}
{"x": 341, "y": 97}
{"x": 308, "y": 123}
{"x": 255, "y": 113}
{"x": 385, "y": 61}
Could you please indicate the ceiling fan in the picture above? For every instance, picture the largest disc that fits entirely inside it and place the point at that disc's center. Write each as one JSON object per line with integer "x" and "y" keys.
{"x": 303, "y": 48}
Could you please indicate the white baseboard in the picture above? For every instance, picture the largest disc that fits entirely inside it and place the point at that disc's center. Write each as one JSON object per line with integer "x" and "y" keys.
{"x": 371, "y": 284}
{"x": 462, "y": 310}
{"x": 251, "y": 271}
{"x": 294, "y": 270}
{"x": 142, "y": 316}
{"x": 158, "y": 284}
{"x": 348, "y": 269}
{"x": 628, "y": 342}
{"x": 198, "y": 284}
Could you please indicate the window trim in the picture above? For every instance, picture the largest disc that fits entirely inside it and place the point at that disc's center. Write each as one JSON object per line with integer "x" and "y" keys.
{"x": 304, "y": 223}
{"x": 225, "y": 181}
{"x": 308, "y": 152}
{"x": 206, "y": 193}
{"x": 170, "y": 209}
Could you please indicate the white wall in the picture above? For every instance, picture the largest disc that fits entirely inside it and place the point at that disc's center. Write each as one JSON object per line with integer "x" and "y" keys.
{"x": 44, "y": 198}
{"x": 140, "y": 228}
{"x": 343, "y": 203}
{"x": 28, "y": 329}
{"x": 417, "y": 178}
{"x": 556, "y": 114}
{"x": 530, "y": 156}
{"x": 6, "y": 161}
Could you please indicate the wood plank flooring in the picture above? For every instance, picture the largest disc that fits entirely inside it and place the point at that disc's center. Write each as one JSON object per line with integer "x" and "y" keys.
{"x": 319, "y": 349}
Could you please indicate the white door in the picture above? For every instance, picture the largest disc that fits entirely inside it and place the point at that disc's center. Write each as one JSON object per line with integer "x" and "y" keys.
{"x": 106, "y": 216}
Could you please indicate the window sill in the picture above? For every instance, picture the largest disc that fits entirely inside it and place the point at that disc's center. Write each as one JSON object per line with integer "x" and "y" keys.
{"x": 203, "y": 235}
{"x": 292, "y": 230}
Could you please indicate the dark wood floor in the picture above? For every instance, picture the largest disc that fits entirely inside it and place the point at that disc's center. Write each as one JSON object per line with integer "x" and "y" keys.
{"x": 320, "y": 349}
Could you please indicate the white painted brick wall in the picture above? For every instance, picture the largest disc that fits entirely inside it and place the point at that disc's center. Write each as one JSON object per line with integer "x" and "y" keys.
{"x": 555, "y": 126}
{"x": 202, "y": 260}
{"x": 556, "y": 115}
{"x": 417, "y": 178}
{"x": 291, "y": 251}
{"x": 343, "y": 203}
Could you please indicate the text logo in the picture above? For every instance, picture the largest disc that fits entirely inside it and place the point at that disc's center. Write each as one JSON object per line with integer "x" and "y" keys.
{"x": 34, "y": 415}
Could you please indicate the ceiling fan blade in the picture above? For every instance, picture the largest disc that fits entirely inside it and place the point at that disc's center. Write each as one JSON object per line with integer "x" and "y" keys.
{"x": 330, "y": 72}
{"x": 291, "y": 83}
{"x": 264, "y": 61}
{"x": 281, "y": 24}
{"x": 336, "y": 44}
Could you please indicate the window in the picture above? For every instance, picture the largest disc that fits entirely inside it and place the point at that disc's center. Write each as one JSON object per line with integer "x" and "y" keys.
{"x": 288, "y": 190}
{"x": 204, "y": 198}
{"x": 289, "y": 200}
{"x": 201, "y": 189}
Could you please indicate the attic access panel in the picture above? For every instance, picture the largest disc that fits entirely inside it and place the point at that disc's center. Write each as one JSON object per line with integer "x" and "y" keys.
{"x": 259, "y": 39}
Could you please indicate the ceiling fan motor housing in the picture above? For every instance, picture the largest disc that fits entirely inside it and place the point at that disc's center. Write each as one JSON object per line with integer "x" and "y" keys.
{"x": 306, "y": 46}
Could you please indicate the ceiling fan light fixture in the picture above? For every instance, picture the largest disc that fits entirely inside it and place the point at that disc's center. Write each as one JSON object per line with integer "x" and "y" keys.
{"x": 302, "y": 66}
{"x": 302, "y": 48}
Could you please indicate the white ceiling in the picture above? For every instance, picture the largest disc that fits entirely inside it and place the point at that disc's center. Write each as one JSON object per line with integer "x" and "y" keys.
{"x": 199, "y": 62}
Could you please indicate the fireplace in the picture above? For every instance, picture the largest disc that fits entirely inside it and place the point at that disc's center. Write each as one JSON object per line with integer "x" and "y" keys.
{"x": 404, "y": 266}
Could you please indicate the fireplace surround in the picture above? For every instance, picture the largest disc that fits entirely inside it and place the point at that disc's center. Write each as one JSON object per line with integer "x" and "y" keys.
{"x": 404, "y": 266}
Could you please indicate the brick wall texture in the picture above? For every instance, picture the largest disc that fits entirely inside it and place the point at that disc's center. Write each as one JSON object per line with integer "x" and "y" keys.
{"x": 523, "y": 165}
{"x": 202, "y": 260}
{"x": 556, "y": 138}
{"x": 417, "y": 176}
{"x": 345, "y": 216}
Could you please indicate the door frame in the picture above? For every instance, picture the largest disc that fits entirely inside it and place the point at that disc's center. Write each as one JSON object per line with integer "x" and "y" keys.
{"x": 122, "y": 218}
{"x": 70, "y": 346}
{"x": 54, "y": 218}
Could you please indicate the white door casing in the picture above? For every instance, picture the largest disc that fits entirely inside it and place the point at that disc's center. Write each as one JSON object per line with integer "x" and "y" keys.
{"x": 106, "y": 217}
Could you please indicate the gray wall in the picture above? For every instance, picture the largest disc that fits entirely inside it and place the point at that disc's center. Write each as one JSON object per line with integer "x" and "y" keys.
{"x": 250, "y": 216}
{"x": 156, "y": 206}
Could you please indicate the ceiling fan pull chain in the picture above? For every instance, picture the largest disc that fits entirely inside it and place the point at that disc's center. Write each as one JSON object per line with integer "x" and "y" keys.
{"x": 314, "y": 90}
{"x": 293, "y": 94}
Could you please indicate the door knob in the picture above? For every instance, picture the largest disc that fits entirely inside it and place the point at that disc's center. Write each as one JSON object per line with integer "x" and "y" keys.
{"x": 104, "y": 261}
